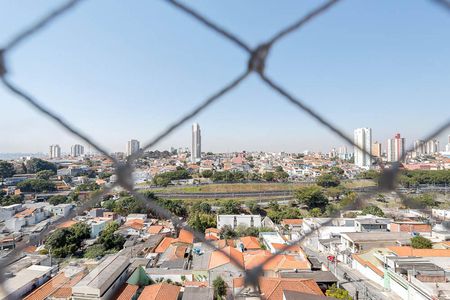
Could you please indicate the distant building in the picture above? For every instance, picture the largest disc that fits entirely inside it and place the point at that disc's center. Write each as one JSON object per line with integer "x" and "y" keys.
{"x": 363, "y": 139}
{"x": 132, "y": 147}
{"x": 196, "y": 153}
{"x": 395, "y": 148}
{"x": 432, "y": 147}
{"x": 376, "y": 149}
{"x": 55, "y": 151}
{"x": 236, "y": 220}
{"x": 76, "y": 150}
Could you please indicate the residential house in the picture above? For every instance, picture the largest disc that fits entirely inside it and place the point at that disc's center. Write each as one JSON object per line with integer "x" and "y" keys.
{"x": 238, "y": 220}
{"x": 160, "y": 291}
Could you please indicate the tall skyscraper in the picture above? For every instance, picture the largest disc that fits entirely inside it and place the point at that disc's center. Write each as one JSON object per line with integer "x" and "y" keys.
{"x": 395, "y": 148}
{"x": 196, "y": 151}
{"x": 55, "y": 151}
{"x": 76, "y": 150}
{"x": 363, "y": 139}
{"x": 376, "y": 149}
{"x": 419, "y": 147}
{"x": 132, "y": 147}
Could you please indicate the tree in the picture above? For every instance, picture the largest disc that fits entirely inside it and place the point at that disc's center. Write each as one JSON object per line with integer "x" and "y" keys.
{"x": 207, "y": 174}
{"x": 6, "y": 200}
{"x": 201, "y": 221}
{"x": 220, "y": 288}
{"x": 338, "y": 293}
{"x": 6, "y": 169}
{"x": 315, "y": 212}
{"x": 419, "y": 242}
{"x": 67, "y": 241}
{"x": 337, "y": 171}
{"x": 269, "y": 176}
{"x": 311, "y": 196}
{"x": 36, "y": 185}
{"x": 372, "y": 210}
{"x": 128, "y": 205}
{"x": 253, "y": 207}
{"x": 230, "y": 207}
{"x": 90, "y": 186}
{"x": 226, "y": 232}
{"x": 109, "y": 239}
{"x": 201, "y": 207}
{"x": 328, "y": 180}
{"x": 57, "y": 199}
{"x": 45, "y": 174}
{"x": 35, "y": 165}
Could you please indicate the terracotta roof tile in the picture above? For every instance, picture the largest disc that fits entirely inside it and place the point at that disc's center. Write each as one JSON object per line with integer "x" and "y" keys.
{"x": 161, "y": 291}
{"x": 250, "y": 242}
{"x": 154, "y": 229}
{"x": 67, "y": 224}
{"x": 27, "y": 212}
{"x": 272, "y": 288}
{"x": 127, "y": 292}
{"x": 59, "y": 286}
{"x": 292, "y": 221}
{"x": 185, "y": 236}
{"x": 368, "y": 264}
{"x": 164, "y": 244}
{"x": 219, "y": 258}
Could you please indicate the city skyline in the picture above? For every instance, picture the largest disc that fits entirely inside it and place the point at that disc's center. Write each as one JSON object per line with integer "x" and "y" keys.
{"x": 368, "y": 71}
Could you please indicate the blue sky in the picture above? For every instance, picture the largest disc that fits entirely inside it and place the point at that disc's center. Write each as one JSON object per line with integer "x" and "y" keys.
{"x": 126, "y": 69}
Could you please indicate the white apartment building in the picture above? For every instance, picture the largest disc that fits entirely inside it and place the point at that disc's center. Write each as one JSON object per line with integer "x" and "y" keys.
{"x": 54, "y": 151}
{"x": 363, "y": 139}
{"x": 238, "y": 220}
{"x": 395, "y": 148}
{"x": 76, "y": 150}
{"x": 132, "y": 147}
{"x": 196, "y": 153}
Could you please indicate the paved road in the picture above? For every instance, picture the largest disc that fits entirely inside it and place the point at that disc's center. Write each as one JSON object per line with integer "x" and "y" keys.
{"x": 365, "y": 288}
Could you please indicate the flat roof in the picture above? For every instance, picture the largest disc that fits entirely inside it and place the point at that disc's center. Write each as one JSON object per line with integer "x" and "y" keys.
{"x": 22, "y": 278}
{"x": 196, "y": 293}
{"x": 377, "y": 236}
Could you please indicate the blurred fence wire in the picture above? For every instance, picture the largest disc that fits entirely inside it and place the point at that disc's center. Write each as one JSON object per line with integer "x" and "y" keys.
{"x": 257, "y": 57}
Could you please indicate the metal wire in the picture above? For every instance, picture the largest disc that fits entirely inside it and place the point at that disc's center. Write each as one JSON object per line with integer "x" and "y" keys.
{"x": 256, "y": 63}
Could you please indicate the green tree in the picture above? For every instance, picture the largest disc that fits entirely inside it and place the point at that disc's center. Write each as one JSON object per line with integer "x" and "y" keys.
{"x": 226, "y": 232}
{"x": 328, "y": 180}
{"x": 338, "y": 293}
{"x": 269, "y": 176}
{"x": 201, "y": 221}
{"x": 419, "y": 242}
{"x": 207, "y": 174}
{"x": 45, "y": 174}
{"x": 6, "y": 169}
{"x": 57, "y": 199}
{"x": 311, "y": 196}
{"x": 90, "y": 186}
{"x": 36, "y": 185}
{"x": 6, "y": 200}
{"x": 220, "y": 288}
{"x": 128, "y": 205}
{"x": 253, "y": 207}
{"x": 35, "y": 165}
{"x": 372, "y": 210}
{"x": 109, "y": 239}
{"x": 337, "y": 171}
{"x": 94, "y": 251}
{"x": 204, "y": 207}
{"x": 315, "y": 212}
{"x": 230, "y": 207}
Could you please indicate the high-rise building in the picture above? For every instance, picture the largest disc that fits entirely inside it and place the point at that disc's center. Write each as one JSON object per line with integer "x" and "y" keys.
{"x": 55, "y": 151}
{"x": 376, "y": 149}
{"x": 363, "y": 139}
{"x": 419, "y": 147}
{"x": 196, "y": 151}
{"x": 395, "y": 148}
{"x": 76, "y": 150}
{"x": 432, "y": 146}
{"x": 132, "y": 147}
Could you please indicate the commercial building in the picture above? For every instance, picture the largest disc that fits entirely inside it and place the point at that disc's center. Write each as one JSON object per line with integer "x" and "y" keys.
{"x": 132, "y": 147}
{"x": 363, "y": 139}
{"x": 196, "y": 153}
{"x": 24, "y": 281}
{"x": 395, "y": 148}
{"x": 104, "y": 281}
{"x": 76, "y": 150}
{"x": 54, "y": 151}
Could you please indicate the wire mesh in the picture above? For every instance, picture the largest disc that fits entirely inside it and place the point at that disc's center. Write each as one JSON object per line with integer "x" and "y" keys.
{"x": 256, "y": 63}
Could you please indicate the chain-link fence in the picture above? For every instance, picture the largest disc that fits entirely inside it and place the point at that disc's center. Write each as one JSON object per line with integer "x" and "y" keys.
{"x": 256, "y": 64}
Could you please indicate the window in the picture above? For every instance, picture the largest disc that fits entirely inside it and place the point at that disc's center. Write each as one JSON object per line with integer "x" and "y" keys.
{"x": 252, "y": 222}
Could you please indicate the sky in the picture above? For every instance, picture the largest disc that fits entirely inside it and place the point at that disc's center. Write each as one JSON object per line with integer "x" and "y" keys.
{"x": 121, "y": 70}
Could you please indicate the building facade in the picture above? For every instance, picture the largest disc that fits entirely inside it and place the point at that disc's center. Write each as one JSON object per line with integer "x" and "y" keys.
{"x": 196, "y": 153}
{"x": 363, "y": 139}
{"x": 238, "y": 220}
{"x": 396, "y": 148}
{"x": 376, "y": 149}
{"x": 132, "y": 147}
{"x": 76, "y": 150}
{"x": 54, "y": 151}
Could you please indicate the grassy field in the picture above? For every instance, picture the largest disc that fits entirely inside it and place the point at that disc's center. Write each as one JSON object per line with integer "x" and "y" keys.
{"x": 250, "y": 187}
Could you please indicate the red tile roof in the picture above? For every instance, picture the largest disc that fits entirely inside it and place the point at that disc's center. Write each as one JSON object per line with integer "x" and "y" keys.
{"x": 25, "y": 213}
{"x": 292, "y": 222}
{"x": 59, "y": 286}
{"x": 154, "y": 229}
{"x": 409, "y": 251}
{"x": 185, "y": 236}
{"x": 273, "y": 288}
{"x": 127, "y": 292}
{"x": 160, "y": 291}
{"x": 219, "y": 258}
{"x": 250, "y": 242}
{"x": 164, "y": 244}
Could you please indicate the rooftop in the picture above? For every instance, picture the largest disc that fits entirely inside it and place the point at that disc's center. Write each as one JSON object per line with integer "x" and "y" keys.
{"x": 377, "y": 236}
{"x": 160, "y": 291}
